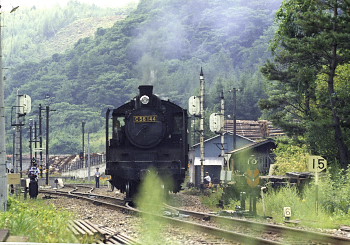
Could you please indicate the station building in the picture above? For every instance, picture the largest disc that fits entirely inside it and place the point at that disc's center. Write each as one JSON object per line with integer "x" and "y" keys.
{"x": 254, "y": 144}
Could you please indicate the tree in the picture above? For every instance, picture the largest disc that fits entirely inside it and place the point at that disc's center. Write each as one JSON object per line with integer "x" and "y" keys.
{"x": 313, "y": 37}
{"x": 163, "y": 43}
{"x": 322, "y": 125}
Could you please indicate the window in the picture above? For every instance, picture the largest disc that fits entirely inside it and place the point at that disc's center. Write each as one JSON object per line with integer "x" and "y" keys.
{"x": 178, "y": 127}
{"x": 118, "y": 124}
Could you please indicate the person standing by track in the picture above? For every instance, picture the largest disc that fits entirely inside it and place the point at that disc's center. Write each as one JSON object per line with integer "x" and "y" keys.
{"x": 97, "y": 178}
{"x": 207, "y": 180}
{"x": 33, "y": 174}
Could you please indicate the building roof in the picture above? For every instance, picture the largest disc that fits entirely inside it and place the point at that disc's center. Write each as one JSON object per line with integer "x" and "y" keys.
{"x": 226, "y": 133}
{"x": 209, "y": 161}
{"x": 254, "y": 130}
{"x": 252, "y": 146}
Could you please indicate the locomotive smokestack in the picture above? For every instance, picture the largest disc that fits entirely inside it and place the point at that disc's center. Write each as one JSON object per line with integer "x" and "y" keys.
{"x": 146, "y": 90}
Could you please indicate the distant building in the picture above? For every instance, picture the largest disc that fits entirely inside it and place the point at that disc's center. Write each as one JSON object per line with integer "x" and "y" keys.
{"x": 257, "y": 155}
{"x": 213, "y": 160}
{"x": 254, "y": 130}
{"x": 253, "y": 138}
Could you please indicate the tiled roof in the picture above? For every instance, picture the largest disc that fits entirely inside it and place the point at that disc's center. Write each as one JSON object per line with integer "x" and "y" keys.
{"x": 254, "y": 129}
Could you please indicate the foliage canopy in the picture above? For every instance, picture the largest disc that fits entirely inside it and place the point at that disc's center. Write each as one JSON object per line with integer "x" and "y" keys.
{"x": 162, "y": 43}
{"x": 313, "y": 38}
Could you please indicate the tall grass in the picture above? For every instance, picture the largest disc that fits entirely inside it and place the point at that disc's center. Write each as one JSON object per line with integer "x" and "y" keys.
{"x": 333, "y": 202}
{"x": 335, "y": 193}
{"x": 38, "y": 221}
{"x": 150, "y": 200}
{"x": 211, "y": 198}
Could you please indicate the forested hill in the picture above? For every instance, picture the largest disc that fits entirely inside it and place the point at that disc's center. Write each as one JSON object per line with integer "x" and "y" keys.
{"x": 31, "y": 34}
{"x": 163, "y": 43}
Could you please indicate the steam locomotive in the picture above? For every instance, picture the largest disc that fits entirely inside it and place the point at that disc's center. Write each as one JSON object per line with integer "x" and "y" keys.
{"x": 147, "y": 132}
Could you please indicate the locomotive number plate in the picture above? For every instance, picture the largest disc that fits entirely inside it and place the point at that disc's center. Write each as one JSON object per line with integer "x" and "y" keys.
{"x": 142, "y": 119}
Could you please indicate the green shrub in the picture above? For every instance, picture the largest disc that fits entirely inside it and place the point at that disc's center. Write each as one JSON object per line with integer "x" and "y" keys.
{"x": 335, "y": 193}
{"x": 333, "y": 202}
{"x": 291, "y": 157}
{"x": 38, "y": 221}
{"x": 211, "y": 198}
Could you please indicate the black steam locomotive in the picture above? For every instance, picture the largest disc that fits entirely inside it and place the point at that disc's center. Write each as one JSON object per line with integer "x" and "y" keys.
{"x": 146, "y": 132}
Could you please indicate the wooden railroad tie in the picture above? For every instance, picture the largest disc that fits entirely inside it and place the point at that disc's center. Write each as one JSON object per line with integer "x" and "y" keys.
{"x": 345, "y": 228}
{"x": 103, "y": 234}
{"x": 4, "y": 234}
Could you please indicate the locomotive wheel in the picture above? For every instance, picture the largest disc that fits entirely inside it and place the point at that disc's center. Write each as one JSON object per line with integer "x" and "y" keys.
{"x": 177, "y": 187}
{"x": 131, "y": 189}
{"x": 127, "y": 189}
{"x": 166, "y": 193}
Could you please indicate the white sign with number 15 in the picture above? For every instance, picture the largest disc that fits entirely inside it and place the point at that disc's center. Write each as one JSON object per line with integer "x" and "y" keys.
{"x": 317, "y": 164}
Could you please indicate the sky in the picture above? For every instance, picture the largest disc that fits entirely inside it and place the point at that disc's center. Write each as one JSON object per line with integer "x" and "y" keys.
{"x": 9, "y": 4}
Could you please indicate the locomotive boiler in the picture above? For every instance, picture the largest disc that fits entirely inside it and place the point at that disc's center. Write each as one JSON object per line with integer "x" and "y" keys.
{"x": 147, "y": 132}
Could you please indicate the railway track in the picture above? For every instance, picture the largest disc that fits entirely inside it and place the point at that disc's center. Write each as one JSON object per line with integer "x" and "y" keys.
{"x": 284, "y": 234}
{"x": 103, "y": 235}
{"x": 110, "y": 202}
{"x": 245, "y": 232}
{"x": 87, "y": 195}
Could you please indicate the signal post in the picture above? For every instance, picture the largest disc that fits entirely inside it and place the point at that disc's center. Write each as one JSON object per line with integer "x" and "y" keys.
{"x": 317, "y": 164}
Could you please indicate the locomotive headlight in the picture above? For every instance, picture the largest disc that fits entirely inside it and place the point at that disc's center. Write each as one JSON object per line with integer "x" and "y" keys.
{"x": 144, "y": 99}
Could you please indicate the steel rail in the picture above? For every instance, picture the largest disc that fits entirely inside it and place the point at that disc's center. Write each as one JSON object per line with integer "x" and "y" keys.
{"x": 229, "y": 235}
{"x": 288, "y": 231}
{"x": 85, "y": 196}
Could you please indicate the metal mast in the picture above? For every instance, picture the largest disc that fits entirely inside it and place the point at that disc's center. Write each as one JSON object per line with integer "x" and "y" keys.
{"x": 18, "y": 136}
{"x": 47, "y": 144}
{"x": 89, "y": 159}
{"x": 234, "y": 119}
{"x": 222, "y": 133}
{"x": 3, "y": 172}
{"x": 201, "y": 128}
{"x": 83, "y": 142}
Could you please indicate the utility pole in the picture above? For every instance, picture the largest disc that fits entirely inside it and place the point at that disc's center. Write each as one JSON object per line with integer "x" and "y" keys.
{"x": 234, "y": 145}
{"x": 222, "y": 133}
{"x": 30, "y": 139}
{"x": 47, "y": 144}
{"x": 20, "y": 152}
{"x": 201, "y": 128}
{"x": 3, "y": 172}
{"x": 193, "y": 131}
{"x": 18, "y": 135}
{"x": 89, "y": 159}
{"x": 35, "y": 140}
{"x": 20, "y": 113}
{"x": 41, "y": 140}
{"x": 83, "y": 135}
{"x": 13, "y": 147}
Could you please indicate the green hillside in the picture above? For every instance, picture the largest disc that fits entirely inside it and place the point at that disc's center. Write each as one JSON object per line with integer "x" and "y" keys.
{"x": 163, "y": 43}
{"x": 67, "y": 36}
{"x": 31, "y": 34}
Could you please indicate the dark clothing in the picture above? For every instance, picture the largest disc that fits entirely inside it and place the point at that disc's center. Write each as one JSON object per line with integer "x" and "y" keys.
{"x": 97, "y": 179}
{"x": 33, "y": 184}
{"x": 97, "y": 182}
{"x": 33, "y": 189}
